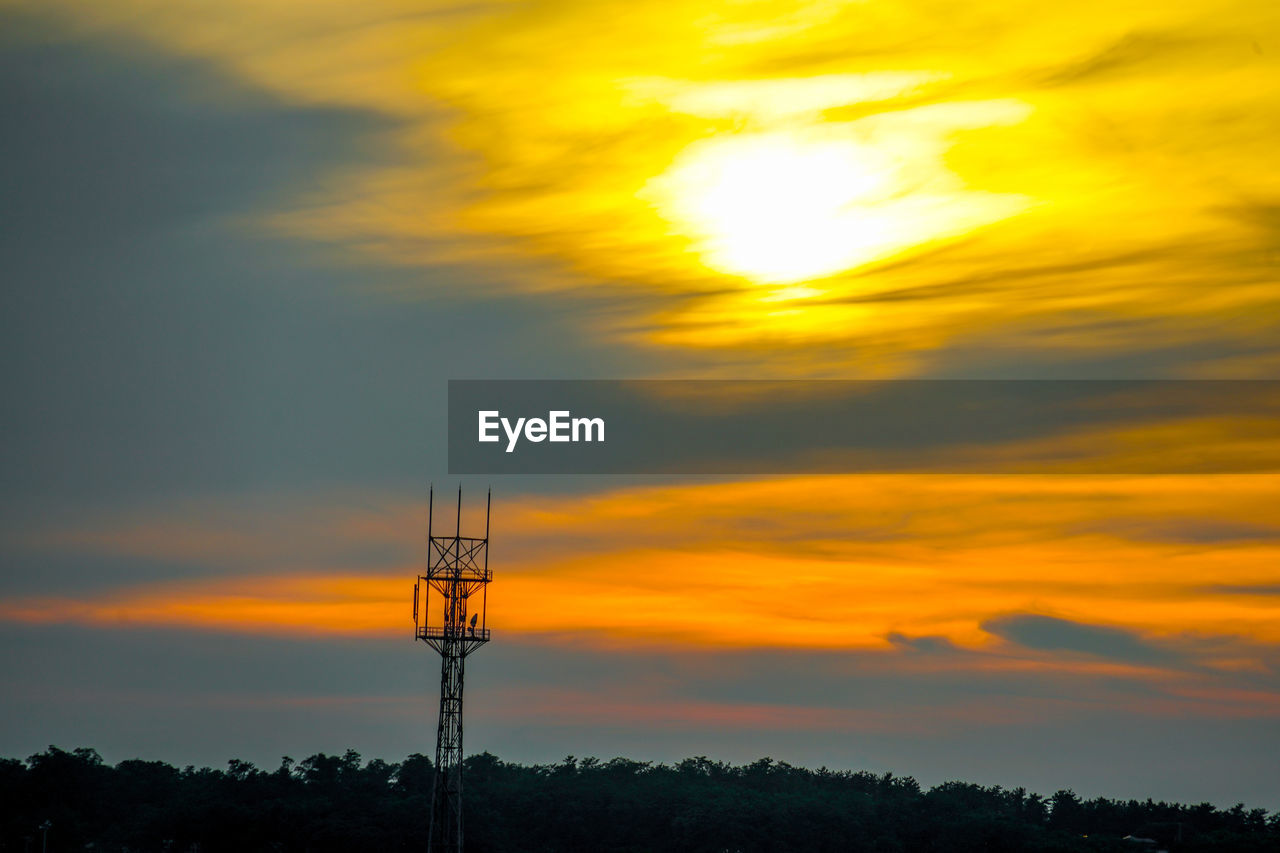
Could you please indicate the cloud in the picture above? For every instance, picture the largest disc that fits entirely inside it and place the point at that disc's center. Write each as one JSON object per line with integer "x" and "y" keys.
{"x": 189, "y": 697}
{"x": 1141, "y": 129}
{"x": 1132, "y": 53}
{"x": 1262, "y": 589}
{"x": 1188, "y": 530}
{"x": 930, "y": 645}
{"x": 116, "y": 141}
{"x": 1048, "y": 633}
{"x": 162, "y": 341}
{"x": 869, "y": 562}
{"x": 167, "y": 364}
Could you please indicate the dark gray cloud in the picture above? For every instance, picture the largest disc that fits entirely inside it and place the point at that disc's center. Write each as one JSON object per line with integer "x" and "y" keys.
{"x": 32, "y": 573}
{"x": 932, "y": 645}
{"x": 157, "y": 345}
{"x": 1049, "y": 633}
{"x": 106, "y": 143}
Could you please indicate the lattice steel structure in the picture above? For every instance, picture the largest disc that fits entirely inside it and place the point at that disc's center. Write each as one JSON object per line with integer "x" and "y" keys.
{"x": 457, "y": 573}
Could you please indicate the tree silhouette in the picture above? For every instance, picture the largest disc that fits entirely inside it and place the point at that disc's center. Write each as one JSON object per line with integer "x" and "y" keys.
{"x": 343, "y": 803}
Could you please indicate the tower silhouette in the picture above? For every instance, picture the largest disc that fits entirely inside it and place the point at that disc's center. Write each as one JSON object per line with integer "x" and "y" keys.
{"x": 457, "y": 572}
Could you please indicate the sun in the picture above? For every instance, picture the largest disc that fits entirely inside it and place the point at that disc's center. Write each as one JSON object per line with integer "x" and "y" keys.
{"x": 790, "y": 206}
{"x": 776, "y": 208}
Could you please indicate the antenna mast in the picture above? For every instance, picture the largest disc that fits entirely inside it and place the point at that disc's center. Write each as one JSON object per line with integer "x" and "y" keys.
{"x": 457, "y": 574}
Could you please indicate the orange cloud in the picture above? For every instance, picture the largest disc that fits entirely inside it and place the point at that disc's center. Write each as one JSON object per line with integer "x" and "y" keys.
{"x": 822, "y": 562}
{"x": 1142, "y": 594}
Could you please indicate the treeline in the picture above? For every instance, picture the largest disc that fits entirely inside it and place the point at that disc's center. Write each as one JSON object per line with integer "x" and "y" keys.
{"x": 341, "y": 803}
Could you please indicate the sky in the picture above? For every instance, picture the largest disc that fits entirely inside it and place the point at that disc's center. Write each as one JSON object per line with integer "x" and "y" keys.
{"x": 245, "y": 245}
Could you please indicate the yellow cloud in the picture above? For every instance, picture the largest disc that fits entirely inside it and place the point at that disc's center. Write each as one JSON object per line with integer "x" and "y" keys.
{"x": 804, "y": 188}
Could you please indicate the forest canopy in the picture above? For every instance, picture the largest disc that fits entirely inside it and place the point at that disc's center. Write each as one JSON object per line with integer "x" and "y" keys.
{"x": 343, "y": 803}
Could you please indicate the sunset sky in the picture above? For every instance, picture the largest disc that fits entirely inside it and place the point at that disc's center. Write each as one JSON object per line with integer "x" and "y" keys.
{"x": 244, "y": 245}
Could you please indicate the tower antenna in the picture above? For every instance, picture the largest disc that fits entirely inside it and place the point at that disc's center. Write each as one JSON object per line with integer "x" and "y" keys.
{"x": 457, "y": 574}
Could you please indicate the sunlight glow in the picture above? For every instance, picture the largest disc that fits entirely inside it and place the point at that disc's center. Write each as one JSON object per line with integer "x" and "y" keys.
{"x": 801, "y": 204}
{"x": 779, "y": 209}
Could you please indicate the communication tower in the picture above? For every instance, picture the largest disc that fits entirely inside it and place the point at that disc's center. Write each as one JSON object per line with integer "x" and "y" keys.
{"x": 457, "y": 575}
